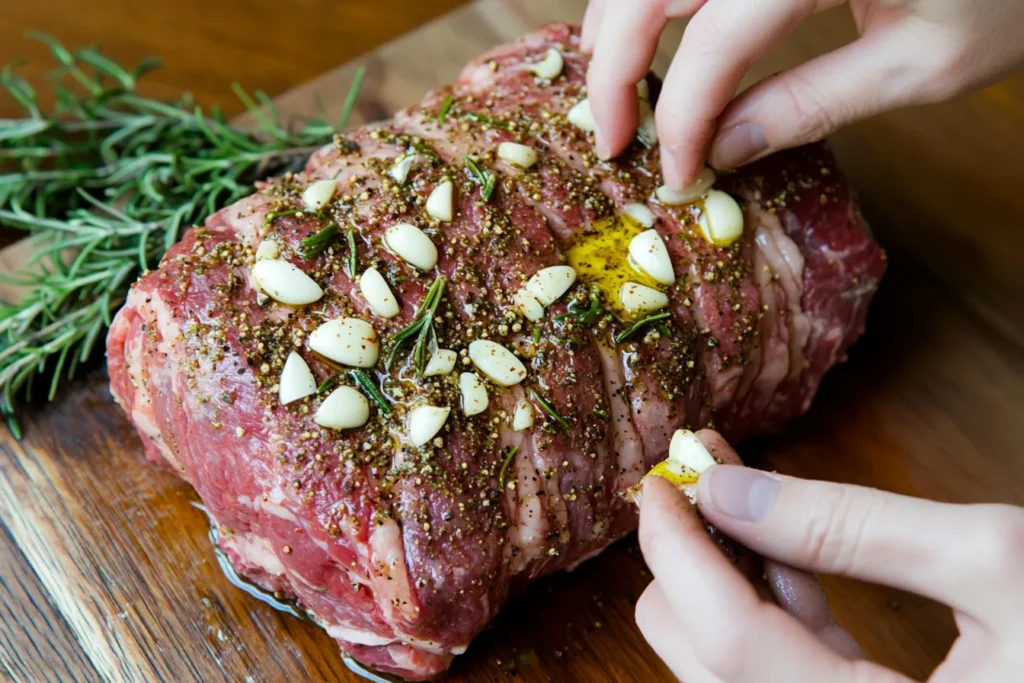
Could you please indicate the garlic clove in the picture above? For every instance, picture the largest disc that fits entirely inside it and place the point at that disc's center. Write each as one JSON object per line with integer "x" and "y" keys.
{"x": 550, "y": 67}
{"x": 522, "y": 419}
{"x": 400, "y": 171}
{"x": 317, "y": 195}
{"x": 686, "y": 451}
{"x": 284, "y": 282}
{"x": 344, "y": 408}
{"x": 527, "y": 303}
{"x": 689, "y": 194}
{"x": 643, "y": 89}
{"x": 441, "y": 203}
{"x": 648, "y": 254}
{"x": 497, "y": 363}
{"x": 721, "y": 221}
{"x": 582, "y": 117}
{"x": 267, "y": 251}
{"x": 378, "y": 294}
{"x": 517, "y": 155}
{"x": 474, "y": 394}
{"x": 639, "y": 299}
{"x": 424, "y": 422}
{"x": 548, "y": 284}
{"x": 411, "y": 245}
{"x": 296, "y": 381}
{"x": 441, "y": 363}
{"x": 647, "y": 130}
{"x": 349, "y": 341}
{"x": 640, "y": 213}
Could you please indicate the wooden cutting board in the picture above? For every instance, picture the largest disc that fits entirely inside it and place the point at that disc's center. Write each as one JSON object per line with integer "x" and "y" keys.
{"x": 107, "y": 572}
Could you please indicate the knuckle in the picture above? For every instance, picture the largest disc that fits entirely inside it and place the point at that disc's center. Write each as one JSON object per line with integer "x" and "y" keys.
{"x": 839, "y": 526}
{"x": 815, "y": 113}
{"x": 721, "y": 651}
{"x": 999, "y": 544}
{"x": 704, "y": 37}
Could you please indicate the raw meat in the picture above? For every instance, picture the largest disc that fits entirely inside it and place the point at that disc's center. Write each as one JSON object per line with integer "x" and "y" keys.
{"x": 404, "y": 554}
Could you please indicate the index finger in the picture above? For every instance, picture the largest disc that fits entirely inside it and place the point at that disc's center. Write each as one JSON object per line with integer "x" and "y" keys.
{"x": 735, "y": 635}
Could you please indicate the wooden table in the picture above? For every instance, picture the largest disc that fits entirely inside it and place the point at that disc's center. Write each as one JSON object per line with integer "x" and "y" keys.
{"x": 107, "y": 573}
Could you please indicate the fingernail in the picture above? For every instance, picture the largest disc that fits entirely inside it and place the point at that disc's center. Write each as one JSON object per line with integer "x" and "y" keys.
{"x": 738, "y": 145}
{"x": 740, "y": 492}
{"x": 604, "y": 152}
{"x": 672, "y": 170}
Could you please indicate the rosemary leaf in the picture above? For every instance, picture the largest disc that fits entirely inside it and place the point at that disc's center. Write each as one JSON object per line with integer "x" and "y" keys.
{"x": 367, "y": 385}
{"x": 480, "y": 177}
{"x": 422, "y": 328}
{"x": 353, "y": 255}
{"x": 327, "y": 384}
{"x": 274, "y": 215}
{"x": 505, "y": 465}
{"x": 550, "y": 410}
{"x": 488, "y": 121}
{"x": 638, "y": 325}
{"x": 315, "y": 244}
{"x": 445, "y": 108}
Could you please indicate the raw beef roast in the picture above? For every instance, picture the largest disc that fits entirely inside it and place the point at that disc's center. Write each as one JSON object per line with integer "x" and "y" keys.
{"x": 449, "y": 427}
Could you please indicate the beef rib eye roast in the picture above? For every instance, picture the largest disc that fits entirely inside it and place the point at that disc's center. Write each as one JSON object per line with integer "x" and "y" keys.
{"x": 421, "y": 373}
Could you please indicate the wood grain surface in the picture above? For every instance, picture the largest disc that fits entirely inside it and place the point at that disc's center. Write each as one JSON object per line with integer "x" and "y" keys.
{"x": 108, "y": 574}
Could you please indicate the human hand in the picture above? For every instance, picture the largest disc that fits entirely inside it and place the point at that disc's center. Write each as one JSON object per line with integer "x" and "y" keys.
{"x": 710, "y": 625}
{"x": 909, "y": 52}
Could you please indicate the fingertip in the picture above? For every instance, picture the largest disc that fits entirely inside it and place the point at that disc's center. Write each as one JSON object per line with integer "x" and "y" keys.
{"x": 737, "y": 145}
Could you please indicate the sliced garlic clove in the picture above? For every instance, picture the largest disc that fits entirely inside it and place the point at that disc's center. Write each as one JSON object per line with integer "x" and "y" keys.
{"x": 550, "y": 67}
{"x": 425, "y": 422}
{"x": 474, "y": 394}
{"x": 378, "y": 294}
{"x": 400, "y": 171}
{"x": 522, "y": 419}
{"x": 344, "y": 408}
{"x": 441, "y": 203}
{"x": 411, "y": 245}
{"x": 640, "y": 213}
{"x": 296, "y": 381}
{"x": 528, "y": 305}
{"x": 496, "y": 362}
{"x": 721, "y": 221}
{"x": 267, "y": 251}
{"x": 317, "y": 195}
{"x": 689, "y": 194}
{"x": 349, "y": 341}
{"x": 284, "y": 282}
{"x": 517, "y": 155}
{"x": 643, "y": 89}
{"x": 638, "y": 299}
{"x": 548, "y": 284}
{"x": 582, "y": 117}
{"x": 647, "y": 130}
{"x": 687, "y": 451}
{"x": 441, "y": 363}
{"x": 648, "y": 254}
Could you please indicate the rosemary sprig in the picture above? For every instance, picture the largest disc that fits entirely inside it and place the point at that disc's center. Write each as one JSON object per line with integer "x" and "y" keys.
{"x": 422, "y": 327}
{"x": 105, "y": 183}
{"x": 367, "y": 385}
{"x": 638, "y": 325}
{"x": 585, "y": 315}
{"x": 488, "y": 121}
{"x": 446, "y": 107}
{"x": 481, "y": 177}
{"x": 315, "y": 244}
{"x": 504, "y": 467}
{"x": 550, "y": 410}
{"x": 353, "y": 255}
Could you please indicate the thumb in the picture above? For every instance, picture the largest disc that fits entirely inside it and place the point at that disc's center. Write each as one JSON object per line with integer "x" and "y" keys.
{"x": 966, "y": 556}
{"x": 809, "y": 102}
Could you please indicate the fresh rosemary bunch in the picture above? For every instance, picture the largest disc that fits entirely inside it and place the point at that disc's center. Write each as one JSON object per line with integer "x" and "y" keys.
{"x": 104, "y": 184}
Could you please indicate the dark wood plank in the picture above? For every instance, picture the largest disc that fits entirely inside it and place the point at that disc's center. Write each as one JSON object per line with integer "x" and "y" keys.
{"x": 35, "y": 642}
